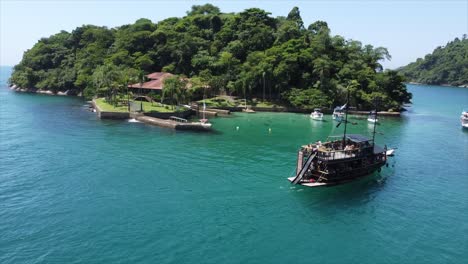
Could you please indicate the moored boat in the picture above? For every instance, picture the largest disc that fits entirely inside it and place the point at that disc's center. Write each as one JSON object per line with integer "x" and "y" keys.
{"x": 390, "y": 152}
{"x": 317, "y": 114}
{"x": 204, "y": 122}
{"x": 338, "y": 113}
{"x": 372, "y": 117}
{"x": 248, "y": 110}
{"x": 339, "y": 160}
{"x": 464, "y": 119}
{"x": 184, "y": 124}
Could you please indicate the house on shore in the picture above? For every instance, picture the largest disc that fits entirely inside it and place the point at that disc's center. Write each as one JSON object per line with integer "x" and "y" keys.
{"x": 155, "y": 83}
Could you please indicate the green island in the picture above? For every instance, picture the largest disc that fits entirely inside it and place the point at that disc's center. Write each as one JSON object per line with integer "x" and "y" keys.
{"x": 267, "y": 61}
{"x": 446, "y": 65}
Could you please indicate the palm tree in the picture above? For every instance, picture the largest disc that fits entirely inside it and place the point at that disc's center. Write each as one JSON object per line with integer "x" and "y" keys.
{"x": 127, "y": 77}
{"x": 374, "y": 56}
{"x": 174, "y": 87}
{"x": 141, "y": 79}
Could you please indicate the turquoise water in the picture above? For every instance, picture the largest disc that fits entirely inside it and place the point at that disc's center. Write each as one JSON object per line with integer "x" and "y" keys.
{"x": 75, "y": 189}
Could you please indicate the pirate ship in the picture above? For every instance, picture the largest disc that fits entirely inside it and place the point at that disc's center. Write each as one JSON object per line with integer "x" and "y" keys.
{"x": 338, "y": 160}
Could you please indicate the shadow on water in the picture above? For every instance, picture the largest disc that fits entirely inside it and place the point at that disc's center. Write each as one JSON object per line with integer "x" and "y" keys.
{"x": 350, "y": 195}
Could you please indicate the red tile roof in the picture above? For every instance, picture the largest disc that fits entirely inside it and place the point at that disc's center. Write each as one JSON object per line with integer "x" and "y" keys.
{"x": 156, "y": 81}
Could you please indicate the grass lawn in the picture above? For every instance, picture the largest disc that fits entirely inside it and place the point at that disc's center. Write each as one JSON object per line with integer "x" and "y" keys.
{"x": 105, "y": 106}
{"x": 218, "y": 102}
{"x": 265, "y": 104}
{"x": 157, "y": 107}
{"x": 147, "y": 107}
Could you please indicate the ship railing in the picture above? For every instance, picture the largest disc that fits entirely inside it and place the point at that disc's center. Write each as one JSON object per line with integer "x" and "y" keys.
{"x": 338, "y": 154}
{"x": 178, "y": 119}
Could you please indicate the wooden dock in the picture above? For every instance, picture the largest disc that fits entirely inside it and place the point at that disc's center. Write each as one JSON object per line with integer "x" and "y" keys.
{"x": 208, "y": 112}
{"x": 219, "y": 111}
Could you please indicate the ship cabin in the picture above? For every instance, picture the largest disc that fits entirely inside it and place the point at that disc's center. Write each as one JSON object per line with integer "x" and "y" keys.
{"x": 339, "y": 148}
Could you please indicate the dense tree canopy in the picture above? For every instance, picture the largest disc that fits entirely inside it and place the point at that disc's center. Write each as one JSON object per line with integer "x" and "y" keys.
{"x": 249, "y": 54}
{"x": 446, "y": 65}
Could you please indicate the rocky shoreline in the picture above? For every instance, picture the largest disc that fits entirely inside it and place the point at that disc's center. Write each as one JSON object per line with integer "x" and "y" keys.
{"x": 47, "y": 92}
{"x": 212, "y": 112}
{"x": 443, "y": 84}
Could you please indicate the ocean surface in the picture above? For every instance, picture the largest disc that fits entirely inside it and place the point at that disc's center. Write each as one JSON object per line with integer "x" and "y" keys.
{"x": 76, "y": 189}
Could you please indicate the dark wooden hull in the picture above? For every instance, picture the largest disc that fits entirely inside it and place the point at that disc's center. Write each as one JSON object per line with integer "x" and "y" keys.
{"x": 340, "y": 177}
{"x": 335, "y": 162}
{"x": 359, "y": 173}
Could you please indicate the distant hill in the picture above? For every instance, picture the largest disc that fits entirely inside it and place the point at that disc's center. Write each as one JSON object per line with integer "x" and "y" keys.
{"x": 445, "y": 66}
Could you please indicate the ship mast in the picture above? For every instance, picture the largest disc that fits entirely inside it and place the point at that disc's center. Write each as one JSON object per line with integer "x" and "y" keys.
{"x": 376, "y": 102}
{"x": 346, "y": 119}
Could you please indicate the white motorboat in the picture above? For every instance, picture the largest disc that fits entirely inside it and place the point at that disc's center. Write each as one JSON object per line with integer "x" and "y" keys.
{"x": 338, "y": 113}
{"x": 464, "y": 119}
{"x": 317, "y": 114}
{"x": 204, "y": 122}
{"x": 390, "y": 152}
{"x": 372, "y": 117}
{"x": 247, "y": 109}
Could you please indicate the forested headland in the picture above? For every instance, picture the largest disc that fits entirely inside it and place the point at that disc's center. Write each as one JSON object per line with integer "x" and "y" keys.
{"x": 444, "y": 66}
{"x": 248, "y": 54}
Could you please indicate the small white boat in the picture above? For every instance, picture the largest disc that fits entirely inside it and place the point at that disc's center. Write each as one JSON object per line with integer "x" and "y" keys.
{"x": 338, "y": 114}
{"x": 205, "y": 125}
{"x": 390, "y": 152}
{"x": 133, "y": 120}
{"x": 317, "y": 114}
{"x": 248, "y": 110}
{"x": 372, "y": 117}
{"x": 204, "y": 122}
{"x": 464, "y": 119}
{"x": 184, "y": 124}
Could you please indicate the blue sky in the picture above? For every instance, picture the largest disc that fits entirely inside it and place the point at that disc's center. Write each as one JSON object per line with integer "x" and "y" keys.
{"x": 409, "y": 29}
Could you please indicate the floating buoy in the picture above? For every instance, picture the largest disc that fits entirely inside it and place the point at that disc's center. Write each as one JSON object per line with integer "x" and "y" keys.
{"x": 237, "y": 127}
{"x": 269, "y": 130}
